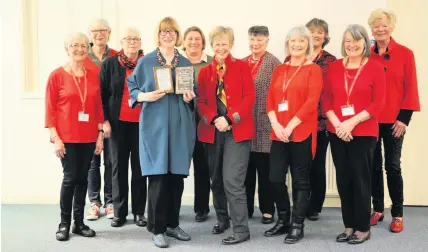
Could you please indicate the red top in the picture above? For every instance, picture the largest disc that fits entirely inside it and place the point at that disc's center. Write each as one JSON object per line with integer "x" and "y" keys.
{"x": 401, "y": 81}
{"x": 63, "y": 104}
{"x": 88, "y": 64}
{"x": 367, "y": 94}
{"x": 127, "y": 113}
{"x": 302, "y": 94}
{"x": 240, "y": 94}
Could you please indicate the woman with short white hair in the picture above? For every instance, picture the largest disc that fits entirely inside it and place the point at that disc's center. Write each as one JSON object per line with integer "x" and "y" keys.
{"x": 292, "y": 103}
{"x": 353, "y": 97}
{"x": 402, "y": 99}
{"x": 123, "y": 120}
{"x": 99, "y": 34}
{"x": 74, "y": 116}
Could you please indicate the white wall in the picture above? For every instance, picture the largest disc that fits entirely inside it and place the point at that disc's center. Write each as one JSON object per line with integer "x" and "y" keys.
{"x": 30, "y": 171}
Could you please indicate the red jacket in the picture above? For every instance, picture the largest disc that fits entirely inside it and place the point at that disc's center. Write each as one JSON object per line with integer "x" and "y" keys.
{"x": 401, "y": 81}
{"x": 240, "y": 93}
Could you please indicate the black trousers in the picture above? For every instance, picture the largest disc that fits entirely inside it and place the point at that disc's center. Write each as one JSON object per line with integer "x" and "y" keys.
{"x": 124, "y": 143}
{"x": 75, "y": 164}
{"x": 259, "y": 163}
{"x": 164, "y": 202}
{"x": 202, "y": 179}
{"x": 317, "y": 174}
{"x": 297, "y": 156}
{"x": 353, "y": 163}
{"x": 94, "y": 177}
{"x": 392, "y": 149}
{"x": 228, "y": 163}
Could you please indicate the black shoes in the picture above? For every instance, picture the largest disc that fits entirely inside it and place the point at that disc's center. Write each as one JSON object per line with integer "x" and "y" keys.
{"x": 267, "y": 220}
{"x": 280, "y": 228}
{"x": 118, "y": 222}
{"x": 295, "y": 235}
{"x": 343, "y": 237}
{"x": 81, "y": 229}
{"x": 231, "y": 240}
{"x": 140, "y": 220}
{"x": 201, "y": 216}
{"x": 354, "y": 239}
{"x": 219, "y": 228}
{"x": 63, "y": 233}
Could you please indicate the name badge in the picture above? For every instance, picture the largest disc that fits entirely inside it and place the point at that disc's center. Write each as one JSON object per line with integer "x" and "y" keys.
{"x": 130, "y": 103}
{"x": 283, "y": 106}
{"x": 83, "y": 117}
{"x": 348, "y": 110}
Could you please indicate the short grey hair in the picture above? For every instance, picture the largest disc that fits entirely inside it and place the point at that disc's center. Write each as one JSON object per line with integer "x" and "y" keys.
{"x": 302, "y": 31}
{"x": 75, "y": 35}
{"x": 357, "y": 32}
{"x": 101, "y": 21}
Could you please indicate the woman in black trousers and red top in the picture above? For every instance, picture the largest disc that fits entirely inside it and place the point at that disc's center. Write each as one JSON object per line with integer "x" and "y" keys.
{"x": 75, "y": 119}
{"x": 402, "y": 99}
{"x": 124, "y": 121}
{"x": 353, "y": 97}
{"x": 320, "y": 38}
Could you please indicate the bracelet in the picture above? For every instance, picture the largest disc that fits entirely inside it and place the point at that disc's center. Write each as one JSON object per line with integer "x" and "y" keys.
{"x": 273, "y": 121}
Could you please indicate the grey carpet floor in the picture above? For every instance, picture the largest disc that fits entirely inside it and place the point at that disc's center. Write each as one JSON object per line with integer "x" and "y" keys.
{"x": 31, "y": 228}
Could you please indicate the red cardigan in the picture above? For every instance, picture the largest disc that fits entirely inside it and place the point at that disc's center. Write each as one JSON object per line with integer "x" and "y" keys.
{"x": 240, "y": 93}
{"x": 368, "y": 94}
{"x": 302, "y": 94}
{"x": 401, "y": 79}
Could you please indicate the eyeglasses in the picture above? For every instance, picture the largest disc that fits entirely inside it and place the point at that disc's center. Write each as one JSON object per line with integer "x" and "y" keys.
{"x": 171, "y": 33}
{"x": 76, "y": 46}
{"x": 129, "y": 40}
{"x": 99, "y": 31}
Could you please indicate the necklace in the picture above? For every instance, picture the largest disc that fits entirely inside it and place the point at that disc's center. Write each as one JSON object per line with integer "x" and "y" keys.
{"x": 174, "y": 61}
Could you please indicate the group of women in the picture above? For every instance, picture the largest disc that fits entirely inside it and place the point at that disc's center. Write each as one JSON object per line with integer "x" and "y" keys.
{"x": 253, "y": 115}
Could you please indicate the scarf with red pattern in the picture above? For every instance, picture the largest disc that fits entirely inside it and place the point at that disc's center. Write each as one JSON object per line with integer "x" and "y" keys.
{"x": 126, "y": 62}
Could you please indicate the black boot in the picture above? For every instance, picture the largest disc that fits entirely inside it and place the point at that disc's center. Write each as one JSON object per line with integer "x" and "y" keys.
{"x": 81, "y": 229}
{"x": 296, "y": 234}
{"x": 63, "y": 233}
{"x": 282, "y": 225}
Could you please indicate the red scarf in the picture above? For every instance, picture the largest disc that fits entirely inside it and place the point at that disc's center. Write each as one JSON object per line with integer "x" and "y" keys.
{"x": 126, "y": 62}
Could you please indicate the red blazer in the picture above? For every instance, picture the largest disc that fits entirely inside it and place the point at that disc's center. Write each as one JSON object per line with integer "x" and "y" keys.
{"x": 401, "y": 81}
{"x": 240, "y": 93}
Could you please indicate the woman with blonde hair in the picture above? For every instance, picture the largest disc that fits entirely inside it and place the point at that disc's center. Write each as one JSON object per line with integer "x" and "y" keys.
{"x": 402, "y": 99}
{"x": 166, "y": 133}
{"x": 225, "y": 104}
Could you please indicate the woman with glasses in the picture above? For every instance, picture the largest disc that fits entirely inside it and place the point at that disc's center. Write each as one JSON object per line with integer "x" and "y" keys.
{"x": 166, "y": 131}
{"x": 98, "y": 51}
{"x": 124, "y": 129}
{"x": 74, "y": 117}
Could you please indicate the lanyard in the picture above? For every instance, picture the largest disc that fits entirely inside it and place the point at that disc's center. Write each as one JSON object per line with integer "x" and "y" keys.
{"x": 82, "y": 96}
{"x": 348, "y": 90}
{"x": 255, "y": 67}
{"x": 285, "y": 84}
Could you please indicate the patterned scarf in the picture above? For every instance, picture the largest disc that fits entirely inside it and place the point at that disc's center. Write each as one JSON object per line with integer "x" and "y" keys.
{"x": 126, "y": 62}
{"x": 221, "y": 94}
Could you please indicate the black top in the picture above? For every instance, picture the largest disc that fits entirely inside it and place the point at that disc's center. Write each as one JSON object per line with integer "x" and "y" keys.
{"x": 112, "y": 79}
